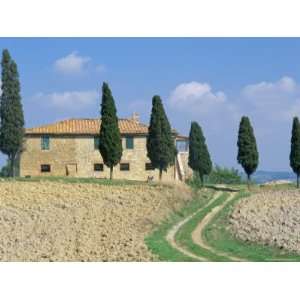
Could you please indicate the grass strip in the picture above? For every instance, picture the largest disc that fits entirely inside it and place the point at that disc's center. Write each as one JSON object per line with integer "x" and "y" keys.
{"x": 184, "y": 235}
{"x": 64, "y": 179}
{"x": 157, "y": 242}
{"x": 218, "y": 235}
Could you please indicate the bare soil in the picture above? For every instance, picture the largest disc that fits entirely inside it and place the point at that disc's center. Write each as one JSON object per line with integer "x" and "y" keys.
{"x": 269, "y": 218}
{"x": 53, "y": 221}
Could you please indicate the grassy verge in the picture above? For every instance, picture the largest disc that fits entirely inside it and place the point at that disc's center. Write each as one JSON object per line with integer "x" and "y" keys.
{"x": 63, "y": 179}
{"x": 157, "y": 242}
{"x": 218, "y": 235}
{"x": 281, "y": 187}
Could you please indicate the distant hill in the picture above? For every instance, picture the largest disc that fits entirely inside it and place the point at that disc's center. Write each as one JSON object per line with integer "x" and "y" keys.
{"x": 265, "y": 176}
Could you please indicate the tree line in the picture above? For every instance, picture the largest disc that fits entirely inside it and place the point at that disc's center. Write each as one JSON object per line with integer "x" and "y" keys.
{"x": 161, "y": 148}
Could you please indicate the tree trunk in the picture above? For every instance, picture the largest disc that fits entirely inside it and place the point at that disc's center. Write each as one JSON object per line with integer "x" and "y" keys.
{"x": 111, "y": 173}
{"x": 297, "y": 181}
{"x": 201, "y": 179}
{"x": 160, "y": 174}
{"x": 11, "y": 160}
{"x": 248, "y": 181}
{"x": 13, "y": 169}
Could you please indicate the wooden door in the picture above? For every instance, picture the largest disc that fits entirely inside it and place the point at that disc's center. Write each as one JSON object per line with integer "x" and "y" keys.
{"x": 71, "y": 170}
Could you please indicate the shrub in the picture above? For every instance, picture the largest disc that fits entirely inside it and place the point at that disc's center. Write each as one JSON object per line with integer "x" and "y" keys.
{"x": 5, "y": 171}
{"x": 223, "y": 175}
{"x": 195, "y": 181}
{"x": 219, "y": 175}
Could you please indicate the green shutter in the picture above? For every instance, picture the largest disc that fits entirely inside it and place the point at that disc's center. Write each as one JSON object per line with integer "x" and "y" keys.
{"x": 96, "y": 142}
{"x": 129, "y": 142}
{"x": 45, "y": 143}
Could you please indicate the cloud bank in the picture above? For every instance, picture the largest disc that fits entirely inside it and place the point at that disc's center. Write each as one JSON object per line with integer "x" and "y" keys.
{"x": 196, "y": 96}
{"x": 69, "y": 100}
{"x": 279, "y": 100}
{"x": 74, "y": 64}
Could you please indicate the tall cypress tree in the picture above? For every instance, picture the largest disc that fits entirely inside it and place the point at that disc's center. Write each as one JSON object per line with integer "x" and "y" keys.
{"x": 247, "y": 149}
{"x": 110, "y": 144}
{"x": 160, "y": 142}
{"x": 11, "y": 111}
{"x": 199, "y": 158}
{"x": 295, "y": 149}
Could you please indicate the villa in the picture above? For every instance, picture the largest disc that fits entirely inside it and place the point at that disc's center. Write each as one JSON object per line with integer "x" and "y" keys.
{"x": 70, "y": 148}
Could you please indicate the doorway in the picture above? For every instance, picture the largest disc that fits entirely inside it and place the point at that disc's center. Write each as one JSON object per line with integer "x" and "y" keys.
{"x": 71, "y": 170}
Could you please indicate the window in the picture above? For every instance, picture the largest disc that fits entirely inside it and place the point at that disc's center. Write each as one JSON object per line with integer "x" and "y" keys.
{"x": 148, "y": 167}
{"x": 45, "y": 168}
{"x": 45, "y": 143}
{"x": 98, "y": 167}
{"x": 182, "y": 145}
{"x": 96, "y": 142}
{"x": 129, "y": 142}
{"x": 124, "y": 167}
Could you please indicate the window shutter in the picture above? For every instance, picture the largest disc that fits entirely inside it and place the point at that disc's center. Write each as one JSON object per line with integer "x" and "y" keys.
{"x": 129, "y": 142}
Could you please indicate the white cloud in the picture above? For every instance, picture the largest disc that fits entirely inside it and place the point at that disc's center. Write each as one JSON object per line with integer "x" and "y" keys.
{"x": 196, "y": 96}
{"x": 270, "y": 92}
{"x": 73, "y": 100}
{"x": 200, "y": 102}
{"x": 271, "y": 100}
{"x": 72, "y": 64}
{"x": 278, "y": 100}
{"x": 284, "y": 85}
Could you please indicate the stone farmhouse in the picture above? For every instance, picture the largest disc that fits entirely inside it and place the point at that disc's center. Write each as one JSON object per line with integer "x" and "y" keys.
{"x": 70, "y": 148}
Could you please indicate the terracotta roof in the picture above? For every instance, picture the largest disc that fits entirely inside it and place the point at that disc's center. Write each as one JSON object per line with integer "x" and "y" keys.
{"x": 88, "y": 127}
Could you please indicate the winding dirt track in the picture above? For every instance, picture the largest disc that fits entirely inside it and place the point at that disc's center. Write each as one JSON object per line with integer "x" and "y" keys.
{"x": 198, "y": 231}
{"x": 173, "y": 231}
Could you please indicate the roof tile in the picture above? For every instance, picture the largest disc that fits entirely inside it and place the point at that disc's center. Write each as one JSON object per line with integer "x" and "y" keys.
{"x": 87, "y": 126}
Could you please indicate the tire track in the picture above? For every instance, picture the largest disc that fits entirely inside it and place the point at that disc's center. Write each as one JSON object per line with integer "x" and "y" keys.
{"x": 197, "y": 234}
{"x": 170, "y": 237}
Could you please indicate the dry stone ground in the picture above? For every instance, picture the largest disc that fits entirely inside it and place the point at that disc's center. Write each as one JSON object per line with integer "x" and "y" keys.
{"x": 52, "y": 221}
{"x": 270, "y": 218}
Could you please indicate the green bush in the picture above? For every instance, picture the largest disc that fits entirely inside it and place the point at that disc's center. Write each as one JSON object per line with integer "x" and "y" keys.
{"x": 4, "y": 172}
{"x": 195, "y": 181}
{"x": 223, "y": 175}
{"x": 219, "y": 175}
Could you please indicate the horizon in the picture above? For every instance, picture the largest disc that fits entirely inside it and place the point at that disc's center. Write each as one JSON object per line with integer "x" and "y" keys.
{"x": 213, "y": 81}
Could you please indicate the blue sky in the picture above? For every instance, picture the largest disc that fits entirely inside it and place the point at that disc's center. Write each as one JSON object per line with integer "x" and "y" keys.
{"x": 212, "y": 81}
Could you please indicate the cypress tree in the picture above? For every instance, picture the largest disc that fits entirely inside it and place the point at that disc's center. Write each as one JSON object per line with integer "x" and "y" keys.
{"x": 247, "y": 149}
{"x": 295, "y": 149}
{"x": 11, "y": 112}
{"x": 199, "y": 158}
{"x": 110, "y": 144}
{"x": 160, "y": 142}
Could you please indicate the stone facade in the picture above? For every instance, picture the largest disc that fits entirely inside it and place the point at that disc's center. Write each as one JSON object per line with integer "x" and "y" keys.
{"x": 75, "y": 155}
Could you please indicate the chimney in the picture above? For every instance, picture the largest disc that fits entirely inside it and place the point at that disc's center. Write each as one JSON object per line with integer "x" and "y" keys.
{"x": 135, "y": 117}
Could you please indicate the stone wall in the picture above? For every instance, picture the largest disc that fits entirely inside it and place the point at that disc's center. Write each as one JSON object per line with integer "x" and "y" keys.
{"x": 187, "y": 172}
{"x": 78, "y": 153}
